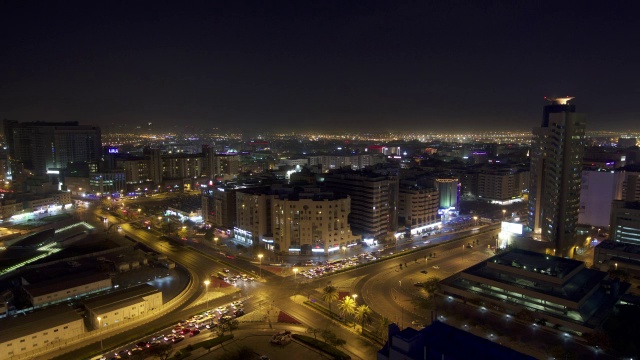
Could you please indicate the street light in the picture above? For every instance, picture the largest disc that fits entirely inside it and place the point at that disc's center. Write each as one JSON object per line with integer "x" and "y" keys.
{"x": 100, "y": 330}
{"x": 616, "y": 264}
{"x": 206, "y": 286}
{"x": 215, "y": 239}
{"x": 475, "y": 220}
{"x": 504, "y": 212}
{"x": 355, "y": 296}
{"x": 462, "y": 252}
{"x": 295, "y": 273}
{"x": 260, "y": 257}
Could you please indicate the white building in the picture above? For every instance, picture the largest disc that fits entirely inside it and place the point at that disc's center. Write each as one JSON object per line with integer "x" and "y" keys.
{"x": 48, "y": 292}
{"x": 30, "y": 333}
{"x": 126, "y": 304}
{"x": 317, "y": 224}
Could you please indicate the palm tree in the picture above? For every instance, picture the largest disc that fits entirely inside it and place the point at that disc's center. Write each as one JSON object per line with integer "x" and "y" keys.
{"x": 363, "y": 314}
{"x": 347, "y": 306}
{"x": 383, "y": 328}
{"x": 329, "y": 295}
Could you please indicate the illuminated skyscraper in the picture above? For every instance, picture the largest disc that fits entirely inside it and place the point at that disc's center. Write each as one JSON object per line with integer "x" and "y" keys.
{"x": 556, "y": 168}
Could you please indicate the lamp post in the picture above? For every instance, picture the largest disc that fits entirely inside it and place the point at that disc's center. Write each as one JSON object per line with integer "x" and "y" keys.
{"x": 355, "y": 296}
{"x": 206, "y": 286}
{"x": 616, "y": 264}
{"x": 295, "y": 273}
{"x": 462, "y": 252}
{"x": 260, "y": 257}
{"x": 215, "y": 239}
{"x": 475, "y": 221}
{"x": 100, "y": 330}
{"x": 504, "y": 212}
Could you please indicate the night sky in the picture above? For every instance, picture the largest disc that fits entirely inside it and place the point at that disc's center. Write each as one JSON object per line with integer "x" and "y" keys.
{"x": 321, "y": 65}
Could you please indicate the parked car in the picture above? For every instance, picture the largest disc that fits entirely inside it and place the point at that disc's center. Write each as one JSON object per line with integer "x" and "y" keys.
{"x": 194, "y": 332}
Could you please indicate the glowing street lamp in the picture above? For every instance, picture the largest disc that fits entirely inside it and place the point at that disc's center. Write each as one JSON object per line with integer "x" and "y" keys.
{"x": 475, "y": 220}
{"x": 504, "y": 212}
{"x": 354, "y": 296}
{"x": 295, "y": 273}
{"x": 616, "y": 264}
{"x": 206, "y": 286}
{"x": 260, "y": 257}
{"x": 215, "y": 239}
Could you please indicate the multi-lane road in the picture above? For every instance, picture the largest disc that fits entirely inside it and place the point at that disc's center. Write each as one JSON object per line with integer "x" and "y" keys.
{"x": 374, "y": 283}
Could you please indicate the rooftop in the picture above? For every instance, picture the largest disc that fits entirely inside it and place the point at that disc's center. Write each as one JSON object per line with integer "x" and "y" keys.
{"x": 104, "y": 303}
{"x": 68, "y": 282}
{"x": 440, "y": 340}
{"x": 23, "y": 325}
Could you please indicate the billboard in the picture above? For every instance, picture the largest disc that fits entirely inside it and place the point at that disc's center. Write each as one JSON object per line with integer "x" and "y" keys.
{"x": 513, "y": 228}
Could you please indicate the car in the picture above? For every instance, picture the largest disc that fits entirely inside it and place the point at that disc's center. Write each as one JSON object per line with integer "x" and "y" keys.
{"x": 237, "y": 302}
{"x": 153, "y": 343}
{"x": 436, "y": 267}
{"x": 238, "y": 312}
{"x": 221, "y": 308}
{"x": 226, "y": 270}
{"x": 185, "y": 331}
{"x": 418, "y": 284}
{"x": 177, "y": 339}
{"x": 423, "y": 271}
{"x": 226, "y": 318}
{"x": 194, "y": 332}
{"x": 169, "y": 337}
{"x": 141, "y": 344}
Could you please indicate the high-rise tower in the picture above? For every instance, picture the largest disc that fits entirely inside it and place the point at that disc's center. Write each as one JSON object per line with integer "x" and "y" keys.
{"x": 556, "y": 167}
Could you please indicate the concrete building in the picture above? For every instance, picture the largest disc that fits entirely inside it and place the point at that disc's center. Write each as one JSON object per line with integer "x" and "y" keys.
{"x": 355, "y": 162}
{"x": 69, "y": 287}
{"x": 47, "y": 328}
{"x": 374, "y": 200}
{"x": 442, "y": 341}
{"x": 309, "y": 223}
{"x": 562, "y": 291}
{"x": 253, "y": 216}
{"x": 556, "y": 163}
{"x": 122, "y": 305}
{"x": 449, "y": 189}
{"x": 502, "y": 185}
{"x": 625, "y": 222}
{"x": 597, "y": 191}
{"x": 417, "y": 206}
{"x": 40, "y": 146}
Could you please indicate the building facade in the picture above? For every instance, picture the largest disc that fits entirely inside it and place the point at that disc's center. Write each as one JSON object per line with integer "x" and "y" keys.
{"x": 556, "y": 164}
{"x": 374, "y": 201}
{"x": 317, "y": 224}
{"x": 625, "y": 222}
{"x": 417, "y": 206}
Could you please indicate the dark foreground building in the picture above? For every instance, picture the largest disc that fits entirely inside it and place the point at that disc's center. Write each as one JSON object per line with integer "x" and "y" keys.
{"x": 441, "y": 341}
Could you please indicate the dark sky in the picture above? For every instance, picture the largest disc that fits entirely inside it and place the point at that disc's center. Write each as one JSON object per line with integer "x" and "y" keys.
{"x": 325, "y": 65}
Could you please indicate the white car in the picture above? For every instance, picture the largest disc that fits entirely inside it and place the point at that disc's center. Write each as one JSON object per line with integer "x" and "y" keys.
{"x": 436, "y": 267}
{"x": 236, "y": 303}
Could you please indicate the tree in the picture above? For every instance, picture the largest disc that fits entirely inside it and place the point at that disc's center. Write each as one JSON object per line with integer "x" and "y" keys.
{"x": 225, "y": 326}
{"x": 329, "y": 295}
{"x": 347, "y": 306}
{"x": 162, "y": 351}
{"x": 431, "y": 285}
{"x": 382, "y": 330}
{"x": 336, "y": 341}
{"x": 363, "y": 314}
{"x": 314, "y": 331}
{"x": 328, "y": 336}
{"x": 209, "y": 234}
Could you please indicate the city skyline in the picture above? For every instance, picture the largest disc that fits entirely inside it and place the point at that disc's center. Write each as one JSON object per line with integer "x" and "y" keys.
{"x": 380, "y": 67}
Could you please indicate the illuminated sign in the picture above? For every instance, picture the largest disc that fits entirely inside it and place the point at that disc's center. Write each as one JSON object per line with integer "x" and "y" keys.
{"x": 513, "y": 228}
{"x": 112, "y": 150}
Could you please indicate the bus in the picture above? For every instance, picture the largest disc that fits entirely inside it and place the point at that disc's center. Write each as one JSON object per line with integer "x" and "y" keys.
{"x": 222, "y": 276}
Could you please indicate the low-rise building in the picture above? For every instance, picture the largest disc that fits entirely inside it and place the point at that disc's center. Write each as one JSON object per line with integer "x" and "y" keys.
{"x": 417, "y": 206}
{"x": 562, "y": 291}
{"x": 53, "y": 291}
{"x": 126, "y": 304}
{"x": 442, "y": 341}
{"x": 25, "y": 334}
